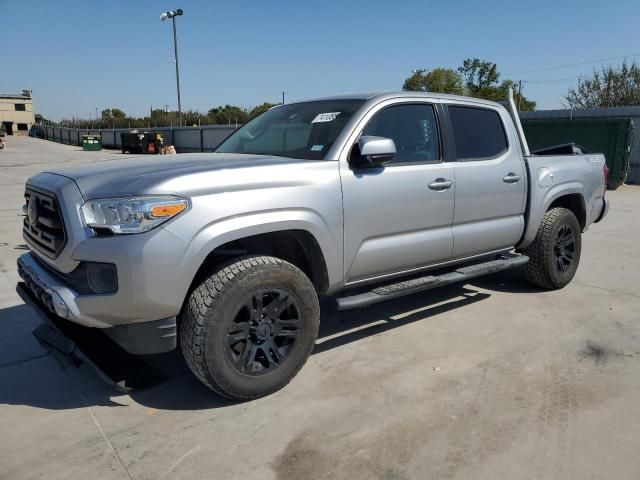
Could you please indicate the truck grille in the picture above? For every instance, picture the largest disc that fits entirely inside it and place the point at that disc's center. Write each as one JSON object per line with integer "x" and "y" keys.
{"x": 43, "y": 226}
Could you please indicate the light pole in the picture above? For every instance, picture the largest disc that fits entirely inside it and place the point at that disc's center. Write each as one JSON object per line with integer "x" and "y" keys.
{"x": 172, "y": 15}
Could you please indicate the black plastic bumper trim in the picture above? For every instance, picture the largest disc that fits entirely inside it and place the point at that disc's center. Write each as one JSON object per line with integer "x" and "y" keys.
{"x": 115, "y": 366}
{"x": 145, "y": 338}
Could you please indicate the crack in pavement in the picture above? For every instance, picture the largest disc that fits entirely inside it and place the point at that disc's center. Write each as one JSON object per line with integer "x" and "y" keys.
{"x": 24, "y": 360}
{"x": 97, "y": 423}
{"x": 606, "y": 289}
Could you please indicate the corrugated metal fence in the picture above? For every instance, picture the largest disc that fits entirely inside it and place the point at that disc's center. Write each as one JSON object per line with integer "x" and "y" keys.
{"x": 186, "y": 139}
{"x": 613, "y": 112}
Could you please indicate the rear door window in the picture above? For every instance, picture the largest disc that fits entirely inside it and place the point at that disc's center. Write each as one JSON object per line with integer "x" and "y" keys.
{"x": 478, "y": 132}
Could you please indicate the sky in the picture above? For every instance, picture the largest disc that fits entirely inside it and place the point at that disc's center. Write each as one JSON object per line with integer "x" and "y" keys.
{"x": 77, "y": 56}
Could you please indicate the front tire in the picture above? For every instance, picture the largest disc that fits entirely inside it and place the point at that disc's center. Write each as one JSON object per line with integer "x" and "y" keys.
{"x": 249, "y": 328}
{"x": 554, "y": 254}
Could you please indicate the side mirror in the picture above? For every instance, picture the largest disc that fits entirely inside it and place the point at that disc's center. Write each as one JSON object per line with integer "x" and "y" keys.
{"x": 375, "y": 151}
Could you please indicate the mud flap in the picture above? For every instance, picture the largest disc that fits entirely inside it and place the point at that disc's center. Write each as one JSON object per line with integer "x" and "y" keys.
{"x": 76, "y": 345}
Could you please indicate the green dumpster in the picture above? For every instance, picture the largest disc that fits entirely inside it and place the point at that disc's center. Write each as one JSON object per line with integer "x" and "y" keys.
{"x": 612, "y": 137}
{"x": 91, "y": 142}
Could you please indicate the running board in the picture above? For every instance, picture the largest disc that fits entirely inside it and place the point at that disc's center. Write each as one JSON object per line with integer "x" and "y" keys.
{"x": 420, "y": 284}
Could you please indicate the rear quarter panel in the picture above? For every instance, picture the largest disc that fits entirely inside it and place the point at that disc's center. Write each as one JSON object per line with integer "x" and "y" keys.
{"x": 554, "y": 176}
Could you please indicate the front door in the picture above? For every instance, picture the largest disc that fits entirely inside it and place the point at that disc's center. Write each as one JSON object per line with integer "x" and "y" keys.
{"x": 491, "y": 182}
{"x": 398, "y": 217}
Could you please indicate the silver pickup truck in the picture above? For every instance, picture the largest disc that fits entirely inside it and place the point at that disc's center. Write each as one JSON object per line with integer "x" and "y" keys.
{"x": 362, "y": 198}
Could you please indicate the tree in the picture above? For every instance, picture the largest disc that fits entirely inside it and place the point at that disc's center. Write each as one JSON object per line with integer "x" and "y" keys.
{"x": 478, "y": 75}
{"x": 482, "y": 80}
{"x": 257, "y": 110}
{"x": 227, "y": 115}
{"x": 416, "y": 83}
{"x": 116, "y": 118}
{"x": 475, "y": 78}
{"x": 611, "y": 87}
{"x": 113, "y": 117}
{"x": 522, "y": 102}
{"x": 111, "y": 113}
{"x": 442, "y": 80}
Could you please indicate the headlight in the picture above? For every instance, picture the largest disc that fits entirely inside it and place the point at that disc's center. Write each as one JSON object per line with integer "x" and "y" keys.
{"x": 131, "y": 214}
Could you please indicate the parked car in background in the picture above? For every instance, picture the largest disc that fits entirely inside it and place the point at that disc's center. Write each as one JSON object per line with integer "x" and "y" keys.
{"x": 361, "y": 197}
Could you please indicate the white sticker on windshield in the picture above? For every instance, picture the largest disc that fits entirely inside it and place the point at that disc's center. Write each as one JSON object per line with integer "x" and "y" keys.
{"x": 325, "y": 117}
{"x": 317, "y": 148}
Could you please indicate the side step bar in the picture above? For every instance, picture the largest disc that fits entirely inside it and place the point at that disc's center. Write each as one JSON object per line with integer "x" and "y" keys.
{"x": 407, "y": 287}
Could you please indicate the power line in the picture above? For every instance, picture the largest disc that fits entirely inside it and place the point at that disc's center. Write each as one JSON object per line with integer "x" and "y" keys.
{"x": 557, "y": 67}
{"x": 552, "y": 81}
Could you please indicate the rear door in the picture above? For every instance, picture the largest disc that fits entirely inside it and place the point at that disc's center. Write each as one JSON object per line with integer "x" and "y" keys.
{"x": 397, "y": 217}
{"x": 491, "y": 183}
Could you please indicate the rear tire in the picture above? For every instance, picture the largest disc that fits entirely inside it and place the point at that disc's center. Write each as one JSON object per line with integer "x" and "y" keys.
{"x": 554, "y": 254}
{"x": 249, "y": 328}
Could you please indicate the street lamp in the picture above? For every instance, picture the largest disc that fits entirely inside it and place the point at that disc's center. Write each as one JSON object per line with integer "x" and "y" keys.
{"x": 172, "y": 15}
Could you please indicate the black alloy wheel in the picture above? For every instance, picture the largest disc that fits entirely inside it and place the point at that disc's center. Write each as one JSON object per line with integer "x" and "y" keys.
{"x": 564, "y": 248}
{"x": 264, "y": 331}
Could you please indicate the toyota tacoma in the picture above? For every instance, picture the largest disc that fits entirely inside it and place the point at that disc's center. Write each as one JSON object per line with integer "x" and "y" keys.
{"x": 362, "y": 198}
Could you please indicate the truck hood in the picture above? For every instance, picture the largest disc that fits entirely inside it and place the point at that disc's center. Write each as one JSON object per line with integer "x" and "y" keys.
{"x": 149, "y": 174}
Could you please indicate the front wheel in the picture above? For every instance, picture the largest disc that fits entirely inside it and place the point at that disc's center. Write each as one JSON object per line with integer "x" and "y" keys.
{"x": 554, "y": 254}
{"x": 249, "y": 328}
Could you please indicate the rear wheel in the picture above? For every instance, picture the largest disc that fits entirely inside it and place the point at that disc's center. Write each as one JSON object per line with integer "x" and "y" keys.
{"x": 249, "y": 328}
{"x": 554, "y": 254}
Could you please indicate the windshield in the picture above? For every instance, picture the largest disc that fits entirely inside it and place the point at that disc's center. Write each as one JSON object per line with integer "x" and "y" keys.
{"x": 299, "y": 130}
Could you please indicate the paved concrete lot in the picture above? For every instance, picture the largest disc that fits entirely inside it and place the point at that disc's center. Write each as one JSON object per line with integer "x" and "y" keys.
{"x": 488, "y": 380}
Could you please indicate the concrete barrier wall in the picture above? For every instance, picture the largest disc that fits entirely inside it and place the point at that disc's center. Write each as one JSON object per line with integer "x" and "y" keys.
{"x": 186, "y": 139}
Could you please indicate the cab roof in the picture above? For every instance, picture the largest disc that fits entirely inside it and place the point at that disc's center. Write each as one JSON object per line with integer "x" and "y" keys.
{"x": 378, "y": 96}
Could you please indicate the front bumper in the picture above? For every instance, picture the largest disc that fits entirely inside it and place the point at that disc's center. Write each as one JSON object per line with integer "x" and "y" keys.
{"x": 154, "y": 270}
{"x": 77, "y": 345}
{"x": 49, "y": 296}
{"x": 138, "y": 339}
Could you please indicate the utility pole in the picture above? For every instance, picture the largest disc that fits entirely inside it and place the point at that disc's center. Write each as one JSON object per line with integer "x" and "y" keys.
{"x": 283, "y": 97}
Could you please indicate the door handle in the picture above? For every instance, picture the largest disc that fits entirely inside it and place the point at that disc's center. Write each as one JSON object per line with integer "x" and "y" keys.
{"x": 512, "y": 178}
{"x": 440, "y": 184}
